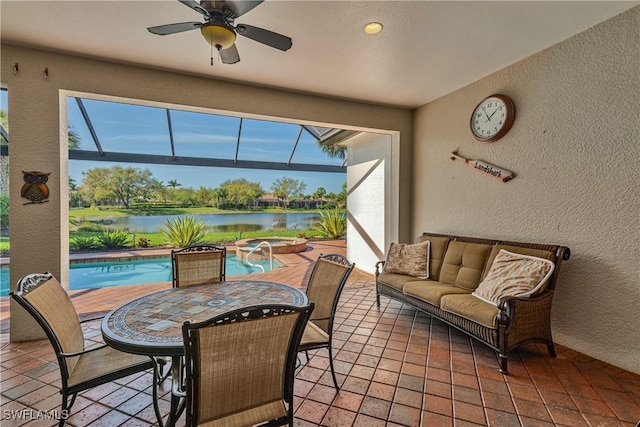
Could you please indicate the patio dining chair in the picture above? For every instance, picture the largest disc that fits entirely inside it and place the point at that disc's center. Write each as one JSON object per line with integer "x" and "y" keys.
{"x": 81, "y": 368}
{"x": 328, "y": 277}
{"x": 240, "y": 366}
{"x": 197, "y": 264}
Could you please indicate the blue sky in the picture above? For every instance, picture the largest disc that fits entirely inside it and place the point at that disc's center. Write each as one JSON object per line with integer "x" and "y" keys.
{"x": 128, "y": 128}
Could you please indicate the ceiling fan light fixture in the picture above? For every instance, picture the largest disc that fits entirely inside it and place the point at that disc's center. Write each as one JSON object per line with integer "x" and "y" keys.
{"x": 373, "y": 28}
{"x": 218, "y": 35}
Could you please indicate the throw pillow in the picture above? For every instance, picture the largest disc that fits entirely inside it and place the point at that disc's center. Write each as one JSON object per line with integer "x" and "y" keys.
{"x": 409, "y": 259}
{"x": 514, "y": 274}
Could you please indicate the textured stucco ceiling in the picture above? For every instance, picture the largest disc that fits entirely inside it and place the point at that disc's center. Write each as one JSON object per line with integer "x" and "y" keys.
{"x": 426, "y": 50}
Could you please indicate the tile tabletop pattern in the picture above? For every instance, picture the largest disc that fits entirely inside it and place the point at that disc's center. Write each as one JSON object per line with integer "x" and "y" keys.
{"x": 396, "y": 367}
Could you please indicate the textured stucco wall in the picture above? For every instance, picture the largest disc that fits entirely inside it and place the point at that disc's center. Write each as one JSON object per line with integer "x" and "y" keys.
{"x": 575, "y": 148}
{"x": 370, "y": 198}
{"x": 36, "y": 105}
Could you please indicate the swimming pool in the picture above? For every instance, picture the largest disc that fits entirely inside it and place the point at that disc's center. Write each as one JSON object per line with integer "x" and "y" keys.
{"x": 92, "y": 275}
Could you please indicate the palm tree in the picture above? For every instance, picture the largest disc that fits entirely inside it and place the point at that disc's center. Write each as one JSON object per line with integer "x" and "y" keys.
{"x": 173, "y": 183}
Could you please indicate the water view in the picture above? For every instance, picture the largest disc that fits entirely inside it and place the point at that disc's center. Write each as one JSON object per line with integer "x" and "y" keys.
{"x": 235, "y": 222}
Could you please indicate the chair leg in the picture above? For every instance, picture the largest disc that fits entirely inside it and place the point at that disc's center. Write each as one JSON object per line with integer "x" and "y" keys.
{"x": 66, "y": 407}
{"x": 306, "y": 353}
{"x": 552, "y": 349}
{"x": 159, "y": 374}
{"x": 333, "y": 373}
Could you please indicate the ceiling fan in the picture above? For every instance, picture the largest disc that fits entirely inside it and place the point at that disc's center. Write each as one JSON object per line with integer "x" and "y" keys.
{"x": 219, "y": 29}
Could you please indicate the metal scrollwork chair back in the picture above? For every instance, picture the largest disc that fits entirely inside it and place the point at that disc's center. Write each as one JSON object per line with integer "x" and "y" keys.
{"x": 240, "y": 366}
{"x": 197, "y": 264}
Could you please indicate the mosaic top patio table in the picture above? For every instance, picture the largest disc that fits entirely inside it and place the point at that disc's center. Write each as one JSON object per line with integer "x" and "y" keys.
{"x": 152, "y": 325}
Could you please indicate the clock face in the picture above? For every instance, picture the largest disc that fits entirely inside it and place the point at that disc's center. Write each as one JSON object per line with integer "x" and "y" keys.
{"x": 492, "y": 118}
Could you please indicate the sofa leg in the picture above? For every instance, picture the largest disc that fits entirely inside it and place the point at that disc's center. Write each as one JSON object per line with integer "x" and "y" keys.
{"x": 503, "y": 363}
{"x": 378, "y": 299}
{"x": 552, "y": 349}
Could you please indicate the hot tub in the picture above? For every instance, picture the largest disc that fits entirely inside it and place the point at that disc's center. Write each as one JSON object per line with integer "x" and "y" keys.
{"x": 279, "y": 245}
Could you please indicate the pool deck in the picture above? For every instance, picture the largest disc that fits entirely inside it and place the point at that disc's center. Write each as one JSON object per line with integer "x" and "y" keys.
{"x": 396, "y": 367}
{"x": 295, "y": 270}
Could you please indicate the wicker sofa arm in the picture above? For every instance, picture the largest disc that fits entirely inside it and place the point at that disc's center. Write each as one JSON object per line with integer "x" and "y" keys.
{"x": 379, "y": 267}
{"x": 526, "y": 318}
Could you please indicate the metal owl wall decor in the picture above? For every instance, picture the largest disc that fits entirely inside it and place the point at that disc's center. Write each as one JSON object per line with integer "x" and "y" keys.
{"x": 35, "y": 187}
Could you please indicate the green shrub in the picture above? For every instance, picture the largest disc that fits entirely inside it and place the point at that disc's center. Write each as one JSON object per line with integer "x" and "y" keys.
{"x": 114, "y": 239}
{"x": 332, "y": 224}
{"x": 87, "y": 226}
{"x": 82, "y": 243}
{"x": 4, "y": 211}
{"x": 184, "y": 231}
{"x": 143, "y": 242}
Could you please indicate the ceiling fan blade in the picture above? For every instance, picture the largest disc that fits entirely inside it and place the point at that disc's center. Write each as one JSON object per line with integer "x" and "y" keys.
{"x": 163, "y": 30}
{"x": 195, "y": 6}
{"x": 230, "y": 55}
{"x": 238, "y": 8}
{"x": 265, "y": 36}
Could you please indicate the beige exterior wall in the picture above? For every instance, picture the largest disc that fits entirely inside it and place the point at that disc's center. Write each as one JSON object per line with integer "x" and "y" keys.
{"x": 370, "y": 198}
{"x": 575, "y": 150}
{"x": 36, "y": 104}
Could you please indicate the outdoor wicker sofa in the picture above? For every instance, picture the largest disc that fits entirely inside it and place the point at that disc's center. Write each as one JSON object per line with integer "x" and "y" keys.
{"x": 456, "y": 266}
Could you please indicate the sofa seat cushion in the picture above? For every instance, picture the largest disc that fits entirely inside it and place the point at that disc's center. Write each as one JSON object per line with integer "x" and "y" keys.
{"x": 431, "y": 291}
{"x": 472, "y": 308}
{"x": 396, "y": 281}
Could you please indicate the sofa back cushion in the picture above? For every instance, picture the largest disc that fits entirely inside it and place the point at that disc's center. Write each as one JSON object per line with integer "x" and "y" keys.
{"x": 437, "y": 250}
{"x": 518, "y": 250}
{"x": 464, "y": 263}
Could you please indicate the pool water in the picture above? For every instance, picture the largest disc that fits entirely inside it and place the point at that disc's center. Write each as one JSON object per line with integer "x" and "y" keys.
{"x": 136, "y": 272}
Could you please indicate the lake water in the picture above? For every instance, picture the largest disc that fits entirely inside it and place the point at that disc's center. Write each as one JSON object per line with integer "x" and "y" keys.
{"x": 216, "y": 222}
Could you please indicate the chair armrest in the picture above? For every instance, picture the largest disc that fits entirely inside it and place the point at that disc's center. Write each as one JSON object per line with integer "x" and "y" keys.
{"x": 92, "y": 319}
{"x": 79, "y": 353}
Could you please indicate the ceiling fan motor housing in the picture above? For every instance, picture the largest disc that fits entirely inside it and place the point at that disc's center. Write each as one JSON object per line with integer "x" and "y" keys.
{"x": 218, "y": 34}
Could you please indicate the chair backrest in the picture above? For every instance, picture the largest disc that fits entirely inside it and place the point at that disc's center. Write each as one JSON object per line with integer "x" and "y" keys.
{"x": 241, "y": 364}
{"x": 48, "y": 302}
{"x": 198, "y": 264}
{"x": 328, "y": 277}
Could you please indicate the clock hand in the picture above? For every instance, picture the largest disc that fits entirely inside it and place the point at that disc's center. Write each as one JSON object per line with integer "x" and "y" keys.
{"x": 488, "y": 118}
{"x": 493, "y": 113}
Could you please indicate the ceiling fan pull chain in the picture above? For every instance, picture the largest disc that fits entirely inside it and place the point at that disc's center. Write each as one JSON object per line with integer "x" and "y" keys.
{"x": 211, "y": 55}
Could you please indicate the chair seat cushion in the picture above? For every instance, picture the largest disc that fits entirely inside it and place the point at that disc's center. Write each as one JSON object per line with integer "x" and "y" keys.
{"x": 253, "y": 416}
{"x": 313, "y": 334}
{"x": 104, "y": 362}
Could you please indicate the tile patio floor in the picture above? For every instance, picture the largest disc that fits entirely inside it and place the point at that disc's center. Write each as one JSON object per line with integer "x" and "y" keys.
{"x": 396, "y": 366}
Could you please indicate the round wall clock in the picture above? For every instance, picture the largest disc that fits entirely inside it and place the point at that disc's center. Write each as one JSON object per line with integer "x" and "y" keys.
{"x": 492, "y": 118}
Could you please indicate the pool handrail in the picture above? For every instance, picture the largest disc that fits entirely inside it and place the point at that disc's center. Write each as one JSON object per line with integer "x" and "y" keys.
{"x": 254, "y": 250}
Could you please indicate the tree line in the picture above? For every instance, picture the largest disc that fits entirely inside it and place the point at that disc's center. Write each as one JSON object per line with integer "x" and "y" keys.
{"x": 124, "y": 186}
